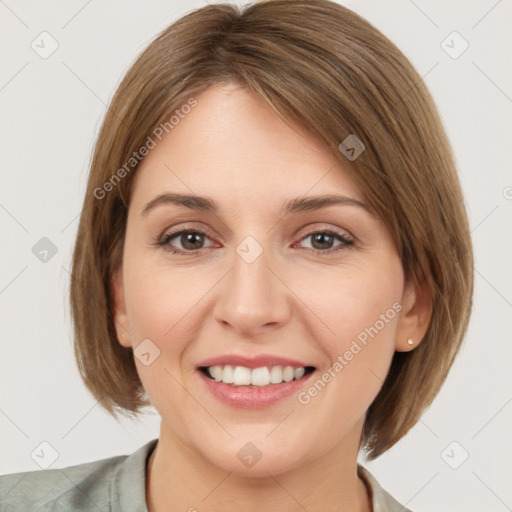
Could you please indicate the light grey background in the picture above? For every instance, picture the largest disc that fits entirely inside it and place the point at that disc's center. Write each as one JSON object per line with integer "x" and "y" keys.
{"x": 51, "y": 112}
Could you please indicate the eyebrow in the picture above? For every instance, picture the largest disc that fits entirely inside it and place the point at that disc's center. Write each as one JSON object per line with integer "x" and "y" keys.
{"x": 206, "y": 204}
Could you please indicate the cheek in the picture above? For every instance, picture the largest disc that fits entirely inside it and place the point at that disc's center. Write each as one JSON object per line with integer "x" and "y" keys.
{"x": 159, "y": 298}
{"x": 356, "y": 316}
{"x": 160, "y": 306}
{"x": 349, "y": 301}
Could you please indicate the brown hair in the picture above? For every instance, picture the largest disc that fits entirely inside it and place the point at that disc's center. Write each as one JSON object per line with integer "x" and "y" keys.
{"x": 323, "y": 66}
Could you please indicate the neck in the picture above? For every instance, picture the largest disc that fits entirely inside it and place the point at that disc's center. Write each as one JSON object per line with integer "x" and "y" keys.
{"x": 180, "y": 479}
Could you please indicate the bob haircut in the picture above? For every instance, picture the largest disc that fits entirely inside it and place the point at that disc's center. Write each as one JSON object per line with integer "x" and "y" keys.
{"x": 322, "y": 66}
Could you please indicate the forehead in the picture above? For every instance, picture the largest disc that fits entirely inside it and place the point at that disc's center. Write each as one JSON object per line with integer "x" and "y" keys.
{"x": 234, "y": 147}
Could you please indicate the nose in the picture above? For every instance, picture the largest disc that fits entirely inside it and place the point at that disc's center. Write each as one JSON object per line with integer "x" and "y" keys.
{"x": 253, "y": 296}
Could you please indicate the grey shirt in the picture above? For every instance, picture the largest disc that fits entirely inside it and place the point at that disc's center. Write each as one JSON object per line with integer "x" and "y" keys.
{"x": 116, "y": 484}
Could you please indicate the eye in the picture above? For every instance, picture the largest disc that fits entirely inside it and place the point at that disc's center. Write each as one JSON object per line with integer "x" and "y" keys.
{"x": 190, "y": 241}
{"x": 322, "y": 241}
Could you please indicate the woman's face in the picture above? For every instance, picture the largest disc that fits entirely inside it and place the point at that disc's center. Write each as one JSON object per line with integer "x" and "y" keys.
{"x": 323, "y": 287}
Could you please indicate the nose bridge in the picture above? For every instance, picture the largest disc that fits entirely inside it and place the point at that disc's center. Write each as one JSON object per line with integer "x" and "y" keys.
{"x": 252, "y": 296}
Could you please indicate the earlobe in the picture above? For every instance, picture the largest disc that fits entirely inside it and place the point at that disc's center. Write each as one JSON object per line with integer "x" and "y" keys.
{"x": 119, "y": 308}
{"x": 415, "y": 317}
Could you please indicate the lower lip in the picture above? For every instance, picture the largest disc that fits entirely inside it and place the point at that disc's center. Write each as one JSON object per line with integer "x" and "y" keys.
{"x": 253, "y": 398}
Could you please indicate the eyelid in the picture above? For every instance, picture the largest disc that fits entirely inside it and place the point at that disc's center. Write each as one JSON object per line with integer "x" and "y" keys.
{"x": 345, "y": 233}
{"x": 187, "y": 227}
{"x": 208, "y": 231}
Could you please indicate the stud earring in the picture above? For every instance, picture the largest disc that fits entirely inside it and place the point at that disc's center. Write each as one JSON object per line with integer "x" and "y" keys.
{"x": 410, "y": 341}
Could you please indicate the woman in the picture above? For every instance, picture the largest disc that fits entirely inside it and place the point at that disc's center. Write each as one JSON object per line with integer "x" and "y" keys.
{"x": 274, "y": 253}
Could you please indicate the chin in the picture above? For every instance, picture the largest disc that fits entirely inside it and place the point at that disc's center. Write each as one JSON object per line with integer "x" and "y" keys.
{"x": 255, "y": 459}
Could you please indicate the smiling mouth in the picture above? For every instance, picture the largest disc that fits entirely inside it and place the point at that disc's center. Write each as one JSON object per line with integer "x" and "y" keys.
{"x": 241, "y": 376}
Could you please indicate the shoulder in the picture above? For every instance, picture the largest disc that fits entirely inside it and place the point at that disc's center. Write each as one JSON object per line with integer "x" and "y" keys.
{"x": 88, "y": 486}
{"x": 382, "y": 501}
{"x": 68, "y": 487}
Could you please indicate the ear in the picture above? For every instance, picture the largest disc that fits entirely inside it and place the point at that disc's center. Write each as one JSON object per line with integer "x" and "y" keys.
{"x": 415, "y": 316}
{"x": 119, "y": 308}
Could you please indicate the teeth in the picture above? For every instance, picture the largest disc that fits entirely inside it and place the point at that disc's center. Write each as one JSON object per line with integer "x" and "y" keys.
{"x": 262, "y": 376}
{"x": 276, "y": 375}
{"x": 242, "y": 376}
{"x": 288, "y": 373}
{"x": 227, "y": 375}
{"x": 216, "y": 373}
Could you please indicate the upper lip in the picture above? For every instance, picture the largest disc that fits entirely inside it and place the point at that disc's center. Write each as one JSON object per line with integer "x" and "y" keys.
{"x": 252, "y": 362}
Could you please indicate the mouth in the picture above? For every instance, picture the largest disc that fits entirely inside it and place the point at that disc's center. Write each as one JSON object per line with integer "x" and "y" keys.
{"x": 259, "y": 377}
{"x": 253, "y": 382}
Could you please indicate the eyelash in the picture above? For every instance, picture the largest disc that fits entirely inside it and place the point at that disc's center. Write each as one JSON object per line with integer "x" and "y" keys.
{"x": 165, "y": 241}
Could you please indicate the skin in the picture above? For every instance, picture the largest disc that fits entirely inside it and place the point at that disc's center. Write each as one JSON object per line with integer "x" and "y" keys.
{"x": 290, "y": 302}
